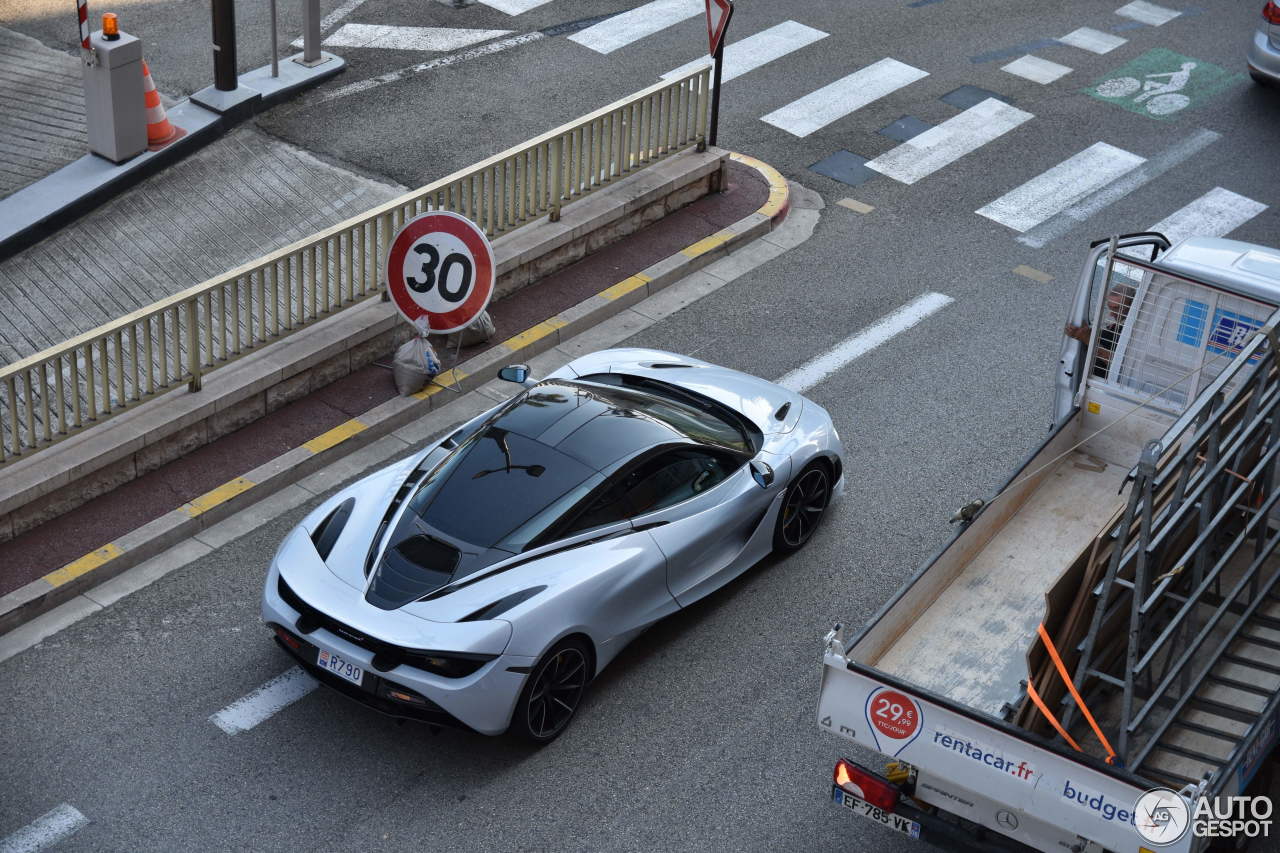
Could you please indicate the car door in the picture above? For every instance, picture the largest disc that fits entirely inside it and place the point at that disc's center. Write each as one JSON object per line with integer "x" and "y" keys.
{"x": 701, "y": 507}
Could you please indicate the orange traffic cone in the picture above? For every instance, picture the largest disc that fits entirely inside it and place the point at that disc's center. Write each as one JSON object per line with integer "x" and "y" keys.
{"x": 160, "y": 131}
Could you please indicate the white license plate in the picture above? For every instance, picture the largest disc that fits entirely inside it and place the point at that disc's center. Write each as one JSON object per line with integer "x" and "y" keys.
{"x": 339, "y": 667}
{"x": 860, "y": 806}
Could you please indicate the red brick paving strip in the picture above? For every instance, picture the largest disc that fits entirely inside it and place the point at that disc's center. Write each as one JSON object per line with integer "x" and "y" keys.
{"x": 56, "y": 543}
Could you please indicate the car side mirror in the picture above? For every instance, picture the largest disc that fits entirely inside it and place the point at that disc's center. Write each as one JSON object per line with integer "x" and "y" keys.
{"x": 517, "y": 373}
{"x": 762, "y": 473}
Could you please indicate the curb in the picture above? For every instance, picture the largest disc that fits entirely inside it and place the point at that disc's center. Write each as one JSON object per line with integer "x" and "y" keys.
{"x": 143, "y": 543}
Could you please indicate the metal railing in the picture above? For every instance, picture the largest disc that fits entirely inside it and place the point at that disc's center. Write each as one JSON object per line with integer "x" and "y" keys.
{"x": 55, "y": 393}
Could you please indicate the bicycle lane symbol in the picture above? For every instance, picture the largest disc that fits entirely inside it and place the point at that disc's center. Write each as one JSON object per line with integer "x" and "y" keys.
{"x": 1160, "y": 84}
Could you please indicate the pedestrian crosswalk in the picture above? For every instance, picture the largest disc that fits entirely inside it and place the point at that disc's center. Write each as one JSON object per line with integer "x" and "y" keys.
{"x": 621, "y": 30}
{"x": 756, "y": 50}
{"x": 922, "y": 155}
{"x": 836, "y": 100}
{"x": 1054, "y": 191}
{"x": 1039, "y": 210}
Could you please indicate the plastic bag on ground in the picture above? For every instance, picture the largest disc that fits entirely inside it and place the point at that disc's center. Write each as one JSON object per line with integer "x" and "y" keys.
{"x": 415, "y": 362}
{"x": 481, "y": 330}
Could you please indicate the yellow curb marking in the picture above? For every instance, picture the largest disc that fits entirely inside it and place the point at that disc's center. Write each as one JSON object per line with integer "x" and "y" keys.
{"x": 707, "y": 244}
{"x": 450, "y": 377}
{"x": 335, "y": 436}
{"x": 84, "y": 565}
{"x": 625, "y": 286}
{"x": 220, "y": 495}
{"x": 855, "y": 205}
{"x": 534, "y": 333}
{"x": 1033, "y": 273}
{"x": 779, "y": 192}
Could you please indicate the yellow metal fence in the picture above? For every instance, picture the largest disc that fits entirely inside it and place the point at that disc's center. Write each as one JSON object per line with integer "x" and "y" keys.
{"x": 99, "y": 374}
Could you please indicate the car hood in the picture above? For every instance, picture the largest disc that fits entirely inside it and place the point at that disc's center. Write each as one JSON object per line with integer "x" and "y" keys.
{"x": 758, "y": 399}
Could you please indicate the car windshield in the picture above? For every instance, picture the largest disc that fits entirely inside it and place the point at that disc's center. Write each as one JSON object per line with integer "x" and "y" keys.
{"x": 685, "y": 412}
{"x": 500, "y": 485}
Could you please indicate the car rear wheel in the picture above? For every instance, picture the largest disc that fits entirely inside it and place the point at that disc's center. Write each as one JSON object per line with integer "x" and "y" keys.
{"x": 803, "y": 506}
{"x": 553, "y": 692}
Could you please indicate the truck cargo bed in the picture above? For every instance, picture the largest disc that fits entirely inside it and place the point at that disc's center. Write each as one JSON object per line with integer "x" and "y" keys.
{"x": 970, "y": 642}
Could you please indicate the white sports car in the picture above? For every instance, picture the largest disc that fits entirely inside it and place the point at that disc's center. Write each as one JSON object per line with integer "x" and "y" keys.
{"x": 485, "y": 580}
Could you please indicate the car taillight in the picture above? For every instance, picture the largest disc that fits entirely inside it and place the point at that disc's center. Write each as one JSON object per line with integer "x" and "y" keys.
{"x": 1271, "y": 12}
{"x": 866, "y": 785}
{"x": 288, "y": 639}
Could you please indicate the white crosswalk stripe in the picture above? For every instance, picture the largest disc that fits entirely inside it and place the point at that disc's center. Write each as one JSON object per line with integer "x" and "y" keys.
{"x": 621, "y": 30}
{"x": 836, "y": 100}
{"x": 1147, "y": 13}
{"x": 756, "y": 50}
{"x": 1215, "y": 214}
{"x": 1060, "y": 187}
{"x": 280, "y": 692}
{"x": 1094, "y": 41}
{"x": 940, "y": 146}
{"x": 514, "y": 7}
{"x": 1035, "y": 69}
{"x": 408, "y": 38}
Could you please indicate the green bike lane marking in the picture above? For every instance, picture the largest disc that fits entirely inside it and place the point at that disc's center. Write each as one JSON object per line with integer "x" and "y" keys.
{"x": 1161, "y": 84}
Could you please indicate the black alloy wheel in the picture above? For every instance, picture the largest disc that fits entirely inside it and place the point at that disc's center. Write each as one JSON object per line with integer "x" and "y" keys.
{"x": 553, "y": 692}
{"x": 802, "y": 508}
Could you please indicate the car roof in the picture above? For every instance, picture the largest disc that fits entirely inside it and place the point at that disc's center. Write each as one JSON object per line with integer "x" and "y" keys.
{"x": 1244, "y": 268}
{"x": 589, "y": 423}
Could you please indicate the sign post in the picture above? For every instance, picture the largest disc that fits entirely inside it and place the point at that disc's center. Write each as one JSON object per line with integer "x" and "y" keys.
{"x": 718, "y": 14}
{"x": 440, "y": 268}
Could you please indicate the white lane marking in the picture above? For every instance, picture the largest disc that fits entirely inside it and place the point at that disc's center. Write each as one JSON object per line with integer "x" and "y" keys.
{"x": 836, "y": 100}
{"x": 1176, "y": 154}
{"x": 622, "y": 30}
{"x": 922, "y": 155}
{"x": 1094, "y": 41}
{"x": 329, "y": 20}
{"x": 1147, "y": 13}
{"x": 514, "y": 7}
{"x": 320, "y": 96}
{"x": 1215, "y": 214}
{"x": 280, "y": 692}
{"x": 756, "y": 50}
{"x": 1057, "y": 189}
{"x": 45, "y": 831}
{"x": 817, "y": 369}
{"x": 408, "y": 38}
{"x": 1036, "y": 69}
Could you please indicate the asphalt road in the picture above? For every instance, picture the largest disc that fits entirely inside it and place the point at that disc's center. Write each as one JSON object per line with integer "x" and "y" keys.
{"x": 702, "y": 735}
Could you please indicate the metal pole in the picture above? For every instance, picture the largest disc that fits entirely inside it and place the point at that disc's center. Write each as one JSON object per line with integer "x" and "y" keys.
{"x": 224, "y": 45}
{"x": 86, "y": 51}
{"x": 715, "y": 93}
{"x": 275, "y": 49}
{"x": 310, "y": 32}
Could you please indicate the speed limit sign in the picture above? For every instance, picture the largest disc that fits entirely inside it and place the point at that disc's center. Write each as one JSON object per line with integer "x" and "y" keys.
{"x": 440, "y": 266}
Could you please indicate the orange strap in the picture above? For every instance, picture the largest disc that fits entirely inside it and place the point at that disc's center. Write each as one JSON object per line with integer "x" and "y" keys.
{"x": 1048, "y": 715}
{"x": 1075, "y": 694}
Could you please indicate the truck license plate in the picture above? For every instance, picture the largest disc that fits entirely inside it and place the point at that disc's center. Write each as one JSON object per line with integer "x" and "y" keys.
{"x": 339, "y": 667}
{"x": 860, "y": 806}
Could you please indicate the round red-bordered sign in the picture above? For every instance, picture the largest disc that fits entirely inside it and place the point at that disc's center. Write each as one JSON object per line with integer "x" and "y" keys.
{"x": 440, "y": 266}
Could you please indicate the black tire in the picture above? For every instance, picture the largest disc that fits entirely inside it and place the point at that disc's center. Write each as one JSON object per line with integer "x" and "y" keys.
{"x": 1260, "y": 80}
{"x": 553, "y": 692}
{"x": 803, "y": 505}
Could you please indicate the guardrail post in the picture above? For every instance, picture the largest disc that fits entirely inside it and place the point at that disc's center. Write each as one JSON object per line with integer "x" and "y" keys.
{"x": 557, "y": 183}
{"x": 193, "y": 347}
{"x": 703, "y": 80}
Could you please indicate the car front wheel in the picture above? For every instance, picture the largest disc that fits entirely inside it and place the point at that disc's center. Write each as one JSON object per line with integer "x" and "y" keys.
{"x": 803, "y": 506}
{"x": 553, "y": 692}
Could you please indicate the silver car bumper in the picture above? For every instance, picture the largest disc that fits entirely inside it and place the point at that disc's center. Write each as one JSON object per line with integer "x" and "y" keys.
{"x": 1264, "y": 57}
{"x": 483, "y": 701}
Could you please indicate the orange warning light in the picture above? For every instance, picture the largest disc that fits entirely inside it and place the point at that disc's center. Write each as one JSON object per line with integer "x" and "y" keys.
{"x": 110, "y": 26}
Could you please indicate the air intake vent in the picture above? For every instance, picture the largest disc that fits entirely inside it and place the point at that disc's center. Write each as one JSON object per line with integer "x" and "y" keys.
{"x": 410, "y": 569}
{"x": 666, "y": 365}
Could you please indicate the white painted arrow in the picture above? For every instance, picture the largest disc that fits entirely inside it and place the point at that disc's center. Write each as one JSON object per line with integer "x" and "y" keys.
{"x": 408, "y": 38}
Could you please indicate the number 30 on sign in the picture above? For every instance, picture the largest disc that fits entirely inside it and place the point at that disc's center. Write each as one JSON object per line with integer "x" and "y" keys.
{"x": 440, "y": 266}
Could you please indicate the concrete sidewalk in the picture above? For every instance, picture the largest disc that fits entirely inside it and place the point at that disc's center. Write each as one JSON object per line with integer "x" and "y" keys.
{"x": 103, "y": 520}
{"x": 237, "y": 199}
